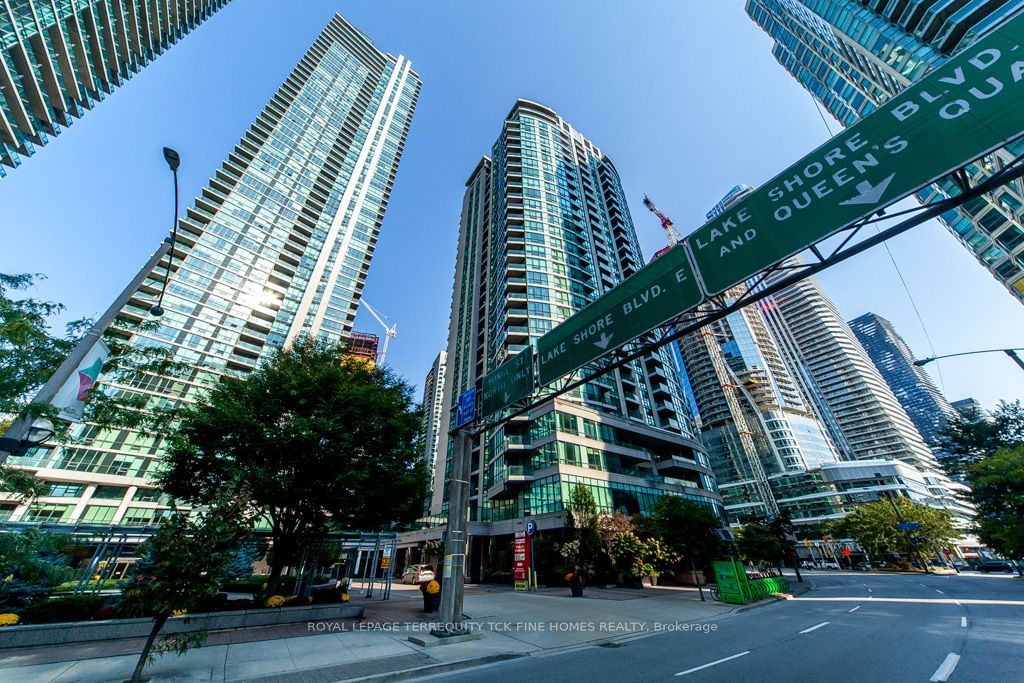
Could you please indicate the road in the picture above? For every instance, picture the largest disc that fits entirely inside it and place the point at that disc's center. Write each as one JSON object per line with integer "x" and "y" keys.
{"x": 854, "y": 626}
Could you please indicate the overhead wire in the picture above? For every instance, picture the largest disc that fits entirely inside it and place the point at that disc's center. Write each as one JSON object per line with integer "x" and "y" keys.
{"x": 895, "y": 265}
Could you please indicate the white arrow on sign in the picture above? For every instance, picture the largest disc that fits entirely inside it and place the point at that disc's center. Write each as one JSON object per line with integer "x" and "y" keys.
{"x": 604, "y": 341}
{"x": 868, "y": 193}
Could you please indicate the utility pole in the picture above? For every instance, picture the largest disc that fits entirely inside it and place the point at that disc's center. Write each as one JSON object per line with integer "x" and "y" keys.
{"x": 453, "y": 581}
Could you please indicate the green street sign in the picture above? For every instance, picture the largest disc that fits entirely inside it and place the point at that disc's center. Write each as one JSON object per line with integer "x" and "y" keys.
{"x": 507, "y": 383}
{"x": 966, "y": 107}
{"x": 657, "y": 293}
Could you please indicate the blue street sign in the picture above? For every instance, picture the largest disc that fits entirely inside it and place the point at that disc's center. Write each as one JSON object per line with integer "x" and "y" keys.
{"x": 531, "y": 527}
{"x": 908, "y": 526}
{"x": 467, "y": 407}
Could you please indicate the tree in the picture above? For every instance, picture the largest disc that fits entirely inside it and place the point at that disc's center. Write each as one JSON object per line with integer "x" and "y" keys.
{"x": 998, "y": 492}
{"x": 758, "y": 542}
{"x": 971, "y": 436}
{"x": 586, "y": 545}
{"x": 312, "y": 439}
{"x": 873, "y": 526}
{"x": 688, "y": 529}
{"x": 180, "y": 566}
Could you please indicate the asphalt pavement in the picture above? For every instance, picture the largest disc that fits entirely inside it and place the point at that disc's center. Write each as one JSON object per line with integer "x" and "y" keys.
{"x": 855, "y": 626}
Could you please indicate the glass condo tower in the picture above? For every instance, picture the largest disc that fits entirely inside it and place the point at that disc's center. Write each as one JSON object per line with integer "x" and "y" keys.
{"x": 278, "y": 245}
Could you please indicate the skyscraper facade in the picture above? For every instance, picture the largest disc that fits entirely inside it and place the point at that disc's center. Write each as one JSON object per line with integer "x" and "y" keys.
{"x": 58, "y": 59}
{"x": 817, "y": 342}
{"x": 545, "y": 230}
{"x": 433, "y": 409}
{"x": 276, "y": 246}
{"x": 853, "y": 55}
{"x": 927, "y": 408}
{"x": 787, "y": 436}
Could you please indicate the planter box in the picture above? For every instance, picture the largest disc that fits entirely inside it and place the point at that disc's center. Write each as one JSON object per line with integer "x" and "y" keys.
{"x": 113, "y": 629}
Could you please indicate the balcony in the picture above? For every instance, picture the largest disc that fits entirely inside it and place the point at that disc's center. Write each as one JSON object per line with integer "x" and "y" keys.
{"x": 675, "y": 466}
{"x": 509, "y": 482}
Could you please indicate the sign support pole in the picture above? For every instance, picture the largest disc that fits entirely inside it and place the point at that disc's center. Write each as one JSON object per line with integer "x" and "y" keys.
{"x": 453, "y": 582}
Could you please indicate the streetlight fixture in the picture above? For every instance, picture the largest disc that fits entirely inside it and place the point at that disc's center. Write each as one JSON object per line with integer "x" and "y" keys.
{"x": 173, "y": 161}
{"x": 1012, "y": 353}
{"x": 38, "y": 433}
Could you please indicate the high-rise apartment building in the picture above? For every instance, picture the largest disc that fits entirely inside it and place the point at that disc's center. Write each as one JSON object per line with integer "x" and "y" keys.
{"x": 787, "y": 435}
{"x": 969, "y": 406}
{"x": 545, "y": 230}
{"x": 817, "y": 343}
{"x": 277, "y": 246}
{"x": 853, "y": 55}
{"x": 433, "y": 410}
{"x": 58, "y": 59}
{"x": 927, "y": 408}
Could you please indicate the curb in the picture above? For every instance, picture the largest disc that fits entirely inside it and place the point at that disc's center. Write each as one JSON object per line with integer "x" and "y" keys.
{"x": 444, "y": 667}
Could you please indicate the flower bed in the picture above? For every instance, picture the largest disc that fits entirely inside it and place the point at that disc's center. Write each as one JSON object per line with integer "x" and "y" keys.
{"x": 86, "y": 631}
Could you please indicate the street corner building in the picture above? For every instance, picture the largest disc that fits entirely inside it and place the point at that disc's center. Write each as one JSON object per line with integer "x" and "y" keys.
{"x": 545, "y": 230}
{"x": 854, "y": 55}
{"x": 61, "y": 57}
{"x": 278, "y": 245}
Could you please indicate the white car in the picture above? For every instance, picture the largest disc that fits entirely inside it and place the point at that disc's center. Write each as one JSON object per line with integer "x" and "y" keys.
{"x": 418, "y": 573}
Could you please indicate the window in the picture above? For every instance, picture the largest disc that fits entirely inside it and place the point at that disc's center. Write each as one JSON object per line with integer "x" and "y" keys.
{"x": 98, "y": 514}
{"x": 109, "y": 492}
{"x": 66, "y": 490}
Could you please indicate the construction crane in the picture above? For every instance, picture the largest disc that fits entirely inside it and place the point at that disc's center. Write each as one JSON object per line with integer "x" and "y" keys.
{"x": 730, "y": 385}
{"x": 727, "y": 381}
{"x": 390, "y": 331}
{"x": 671, "y": 234}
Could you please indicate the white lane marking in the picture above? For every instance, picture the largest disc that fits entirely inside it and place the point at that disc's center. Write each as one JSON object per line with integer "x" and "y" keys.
{"x": 956, "y": 602}
{"x": 815, "y": 627}
{"x": 717, "y": 661}
{"x": 938, "y": 591}
{"x": 922, "y": 585}
{"x": 854, "y": 609}
{"x": 870, "y": 591}
{"x": 963, "y": 622}
{"x": 945, "y": 669}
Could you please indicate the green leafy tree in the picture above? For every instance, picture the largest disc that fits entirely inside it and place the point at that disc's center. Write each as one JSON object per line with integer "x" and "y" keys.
{"x": 586, "y": 546}
{"x": 312, "y": 439}
{"x": 633, "y": 555}
{"x": 180, "y": 567}
{"x": 998, "y": 491}
{"x": 758, "y": 542}
{"x": 687, "y": 529}
{"x": 971, "y": 436}
{"x": 873, "y": 526}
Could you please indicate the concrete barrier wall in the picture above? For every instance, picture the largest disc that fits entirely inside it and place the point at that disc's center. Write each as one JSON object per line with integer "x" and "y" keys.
{"x": 84, "y": 631}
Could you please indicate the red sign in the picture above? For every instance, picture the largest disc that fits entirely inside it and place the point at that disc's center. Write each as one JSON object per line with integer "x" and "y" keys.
{"x": 521, "y": 556}
{"x": 846, "y": 552}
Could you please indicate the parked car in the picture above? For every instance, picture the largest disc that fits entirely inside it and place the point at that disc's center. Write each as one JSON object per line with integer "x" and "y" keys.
{"x": 863, "y": 566}
{"x": 995, "y": 566}
{"x": 418, "y": 573}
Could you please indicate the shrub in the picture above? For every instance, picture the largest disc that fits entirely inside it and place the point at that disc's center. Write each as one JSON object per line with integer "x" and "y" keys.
{"x": 71, "y": 608}
{"x": 296, "y": 601}
{"x": 103, "y": 613}
{"x": 275, "y": 601}
{"x": 8, "y": 619}
{"x": 242, "y": 603}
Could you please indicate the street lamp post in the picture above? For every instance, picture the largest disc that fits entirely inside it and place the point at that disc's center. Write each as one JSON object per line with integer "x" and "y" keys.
{"x": 1012, "y": 353}
{"x": 173, "y": 161}
{"x": 20, "y": 430}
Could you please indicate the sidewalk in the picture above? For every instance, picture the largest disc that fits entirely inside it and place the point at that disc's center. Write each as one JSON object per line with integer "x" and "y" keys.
{"x": 512, "y": 624}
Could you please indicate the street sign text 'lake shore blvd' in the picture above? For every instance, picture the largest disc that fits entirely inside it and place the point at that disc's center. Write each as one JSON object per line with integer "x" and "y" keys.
{"x": 962, "y": 109}
{"x": 655, "y": 294}
{"x": 509, "y": 382}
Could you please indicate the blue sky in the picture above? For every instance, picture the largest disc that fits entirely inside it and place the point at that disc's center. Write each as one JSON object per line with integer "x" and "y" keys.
{"x": 685, "y": 97}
